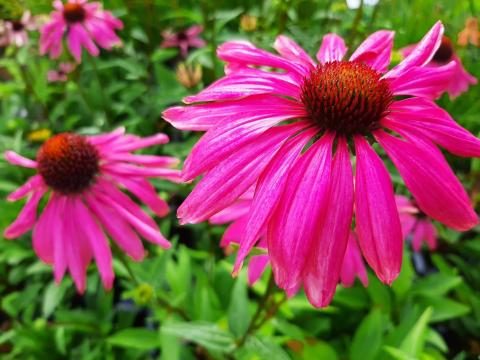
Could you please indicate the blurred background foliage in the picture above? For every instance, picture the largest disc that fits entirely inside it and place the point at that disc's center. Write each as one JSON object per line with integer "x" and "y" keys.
{"x": 183, "y": 303}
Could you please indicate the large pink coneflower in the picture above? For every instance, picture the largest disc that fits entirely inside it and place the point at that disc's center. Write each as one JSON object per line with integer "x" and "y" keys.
{"x": 183, "y": 39}
{"x": 82, "y": 176}
{"x": 15, "y": 32}
{"x": 416, "y": 224}
{"x": 301, "y": 170}
{"x": 83, "y": 24}
{"x": 460, "y": 79}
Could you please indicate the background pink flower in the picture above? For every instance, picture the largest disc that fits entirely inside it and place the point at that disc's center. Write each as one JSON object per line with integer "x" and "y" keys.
{"x": 84, "y": 25}
{"x": 301, "y": 170}
{"x": 416, "y": 224}
{"x": 15, "y": 32}
{"x": 60, "y": 75}
{"x": 184, "y": 39}
{"x": 460, "y": 79}
{"x": 82, "y": 177}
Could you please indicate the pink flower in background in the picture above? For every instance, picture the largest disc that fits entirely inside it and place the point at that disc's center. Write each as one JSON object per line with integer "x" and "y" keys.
{"x": 460, "y": 79}
{"x": 301, "y": 170}
{"x": 60, "y": 75}
{"x": 83, "y": 24}
{"x": 82, "y": 176}
{"x": 184, "y": 39}
{"x": 15, "y": 32}
{"x": 416, "y": 224}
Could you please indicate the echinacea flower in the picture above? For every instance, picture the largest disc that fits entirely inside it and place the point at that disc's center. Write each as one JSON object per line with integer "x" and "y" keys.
{"x": 301, "y": 169}
{"x": 183, "y": 39}
{"x": 84, "y": 25}
{"x": 460, "y": 79}
{"x": 60, "y": 75}
{"x": 82, "y": 177}
{"x": 15, "y": 32}
{"x": 416, "y": 224}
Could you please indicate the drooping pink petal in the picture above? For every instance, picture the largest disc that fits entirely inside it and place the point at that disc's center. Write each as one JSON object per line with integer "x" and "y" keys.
{"x": 418, "y": 236}
{"x": 423, "y": 52}
{"x": 353, "y": 265}
{"x": 377, "y": 222}
{"x": 74, "y": 43}
{"x": 233, "y": 212}
{"x": 224, "y": 139}
{"x": 42, "y": 235}
{"x": 144, "y": 160}
{"x": 256, "y": 267}
{"x": 294, "y": 224}
{"x": 16, "y": 159}
{"x": 140, "y": 143}
{"x": 461, "y": 79}
{"x": 431, "y": 181}
{"x": 332, "y": 49}
{"x": 234, "y": 232}
{"x": 430, "y": 235}
{"x": 59, "y": 238}
{"x": 124, "y": 169}
{"x": 245, "y": 83}
{"x": 118, "y": 229}
{"x": 32, "y": 183}
{"x": 216, "y": 191}
{"x": 375, "y": 50}
{"x": 268, "y": 191}
{"x": 290, "y": 50}
{"x": 98, "y": 243}
{"x": 27, "y": 217}
{"x": 429, "y": 82}
{"x": 427, "y": 119}
{"x": 324, "y": 264}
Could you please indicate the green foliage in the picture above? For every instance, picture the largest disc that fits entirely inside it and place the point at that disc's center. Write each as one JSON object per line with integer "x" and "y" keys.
{"x": 184, "y": 303}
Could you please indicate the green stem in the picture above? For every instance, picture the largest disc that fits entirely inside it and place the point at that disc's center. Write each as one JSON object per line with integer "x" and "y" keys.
{"x": 100, "y": 86}
{"x": 373, "y": 17}
{"x": 209, "y": 24}
{"x": 255, "y": 323}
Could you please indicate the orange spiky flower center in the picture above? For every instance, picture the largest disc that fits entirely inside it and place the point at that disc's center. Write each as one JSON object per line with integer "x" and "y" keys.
{"x": 74, "y": 13}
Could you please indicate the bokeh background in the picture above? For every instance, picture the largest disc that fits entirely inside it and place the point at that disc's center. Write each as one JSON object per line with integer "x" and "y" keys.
{"x": 184, "y": 303}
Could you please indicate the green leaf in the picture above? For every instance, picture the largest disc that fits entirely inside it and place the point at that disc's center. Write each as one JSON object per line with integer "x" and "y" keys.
{"x": 368, "y": 337}
{"x": 398, "y": 354}
{"x": 53, "y": 296}
{"x": 201, "y": 333}
{"x": 320, "y": 350}
{"x": 444, "y": 309}
{"x": 257, "y": 348}
{"x": 413, "y": 343}
{"x": 135, "y": 338}
{"x": 436, "y": 284}
{"x": 238, "y": 315}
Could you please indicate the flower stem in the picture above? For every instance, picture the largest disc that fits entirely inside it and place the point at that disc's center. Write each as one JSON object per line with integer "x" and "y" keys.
{"x": 100, "y": 86}
{"x": 356, "y": 23}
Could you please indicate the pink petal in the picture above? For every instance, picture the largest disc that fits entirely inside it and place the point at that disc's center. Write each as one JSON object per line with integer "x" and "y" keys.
{"x": 375, "y": 50}
{"x": 32, "y": 184}
{"x": 233, "y": 176}
{"x": 431, "y": 181}
{"x": 243, "y": 52}
{"x": 118, "y": 229}
{"x": 408, "y": 222}
{"x": 98, "y": 243}
{"x": 224, "y": 139}
{"x": 353, "y": 264}
{"x": 123, "y": 169}
{"x": 27, "y": 217}
{"x": 59, "y": 237}
{"x": 294, "y": 224}
{"x": 327, "y": 251}
{"x": 140, "y": 143}
{"x": 269, "y": 188}
{"x": 290, "y": 50}
{"x": 430, "y": 235}
{"x": 144, "y": 160}
{"x": 418, "y": 236}
{"x": 234, "y": 232}
{"x": 80, "y": 37}
{"x": 424, "y": 118}
{"x": 256, "y": 267}
{"x": 332, "y": 49}
{"x": 194, "y": 30}
{"x": 244, "y": 83}
{"x": 74, "y": 43}
{"x": 42, "y": 238}
{"x": 423, "y": 52}
{"x": 461, "y": 79}
{"x": 231, "y": 213}
{"x": 429, "y": 82}
{"x": 16, "y": 159}
{"x": 378, "y": 226}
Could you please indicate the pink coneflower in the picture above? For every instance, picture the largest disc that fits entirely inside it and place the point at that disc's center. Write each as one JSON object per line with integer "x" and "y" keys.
{"x": 15, "y": 32}
{"x": 302, "y": 172}
{"x": 184, "y": 39}
{"x": 60, "y": 75}
{"x": 460, "y": 79}
{"x": 416, "y": 224}
{"x": 85, "y": 25}
{"x": 82, "y": 175}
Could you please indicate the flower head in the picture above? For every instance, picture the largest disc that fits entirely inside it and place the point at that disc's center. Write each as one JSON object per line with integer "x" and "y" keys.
{"x": 416, "y": 224}
{"x": 184, "y": 39}
{"x": 84, "y": 24}
{"x": 189, "y": 75}
{"x": 267, "y": 129}
{"x": 460, "y": 79}
{"x": 61, "y": 75}
{"x": 82, "y": 176}
{"x": 15, "y": 32}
